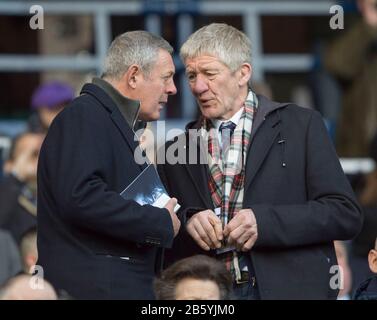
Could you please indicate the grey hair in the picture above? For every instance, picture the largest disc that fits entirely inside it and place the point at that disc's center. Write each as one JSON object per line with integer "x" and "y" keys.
{"x": 223, "y": 41}
{"x": 134, "y": 47}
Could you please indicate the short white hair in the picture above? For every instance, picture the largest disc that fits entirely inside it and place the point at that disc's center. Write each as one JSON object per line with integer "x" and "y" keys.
{"x": 223, "y": 41}
{"x": 134, "y": 47}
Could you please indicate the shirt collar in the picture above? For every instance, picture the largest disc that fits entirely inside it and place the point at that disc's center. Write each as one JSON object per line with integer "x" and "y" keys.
{"x": 235, "y": 119}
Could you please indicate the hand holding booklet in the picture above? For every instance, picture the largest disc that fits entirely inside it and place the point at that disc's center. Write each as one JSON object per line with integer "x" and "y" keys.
{"x": 147, "y": 188}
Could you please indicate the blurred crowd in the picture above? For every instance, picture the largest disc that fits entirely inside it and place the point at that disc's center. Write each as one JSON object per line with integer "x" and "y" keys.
{"x": 18, "y": 193}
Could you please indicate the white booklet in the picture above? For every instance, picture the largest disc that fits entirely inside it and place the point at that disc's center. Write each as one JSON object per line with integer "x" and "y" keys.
{"x": 147, "y": 188}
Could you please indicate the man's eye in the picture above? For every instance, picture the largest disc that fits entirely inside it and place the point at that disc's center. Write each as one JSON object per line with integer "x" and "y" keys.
{"x": 191, "y": 77}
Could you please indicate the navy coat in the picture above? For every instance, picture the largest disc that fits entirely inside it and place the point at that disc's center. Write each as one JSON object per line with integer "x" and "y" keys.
{"x": 92, "y": 243}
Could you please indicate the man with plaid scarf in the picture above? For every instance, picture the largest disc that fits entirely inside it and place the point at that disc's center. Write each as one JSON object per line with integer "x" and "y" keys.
{"x": 260, "y": 186}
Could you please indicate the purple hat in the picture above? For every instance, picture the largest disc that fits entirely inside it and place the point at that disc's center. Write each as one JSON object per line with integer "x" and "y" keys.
{"x": 51, "y": 95}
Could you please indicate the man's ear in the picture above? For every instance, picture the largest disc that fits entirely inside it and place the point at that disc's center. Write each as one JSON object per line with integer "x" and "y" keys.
{"x": 132, "y": 76}
{"x": 245, "y": 72}
{"x": 372, "y": 260}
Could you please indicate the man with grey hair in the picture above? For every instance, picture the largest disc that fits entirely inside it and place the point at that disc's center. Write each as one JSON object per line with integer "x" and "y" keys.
{"x": 271, "y": 196}
{"x": 92, "y": 243}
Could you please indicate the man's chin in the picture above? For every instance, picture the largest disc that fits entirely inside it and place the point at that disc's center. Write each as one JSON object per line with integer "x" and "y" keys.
{"x": 210, "y": 113}
{"x": 153, "y": 117}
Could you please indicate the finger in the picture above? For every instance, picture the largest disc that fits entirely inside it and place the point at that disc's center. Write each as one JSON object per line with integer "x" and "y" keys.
{"x": 195, "y": 235}
{"x": 217, "y": 225}
{"x": 244, "y": 218}
{"x": 203, "y": 234}
{"x": 205, "y": 221}
{"x": 241, "y": 235}
{"x": 219, "y": 231}
{"x": 238, "y": 237}
{"x": 240, "y": 241}
{"x": 232, "y": 225}
{"x": 248, "y": 214}
{"x": 235, "y": 234}
{"x": 249, "y": 243}
{"x": 171, "y": 204}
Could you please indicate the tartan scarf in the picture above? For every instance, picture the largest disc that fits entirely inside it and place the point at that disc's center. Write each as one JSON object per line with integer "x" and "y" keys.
{"x": 227, "y": 176}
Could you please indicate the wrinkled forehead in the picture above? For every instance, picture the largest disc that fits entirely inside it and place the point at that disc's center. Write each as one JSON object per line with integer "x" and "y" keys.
{"x": 203, "y": 52}
{"x": 204, "y": 60}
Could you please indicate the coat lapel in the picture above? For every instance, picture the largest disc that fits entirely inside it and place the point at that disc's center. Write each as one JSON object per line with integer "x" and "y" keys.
{"x": 126, "y": 132}
{"x": 115, "y": 116}
{"x": 262, "y": 140}
{"x": 199, "y": 175}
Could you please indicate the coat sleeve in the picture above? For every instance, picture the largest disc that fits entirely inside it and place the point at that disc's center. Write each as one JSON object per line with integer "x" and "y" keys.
{"x": 331, "y": 211}
{"x": 73, "y": 159}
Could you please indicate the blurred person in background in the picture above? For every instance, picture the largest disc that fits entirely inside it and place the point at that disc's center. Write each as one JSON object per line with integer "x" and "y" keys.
{"x": 326, "y": 93}
{"x": 366, "y": 189}
{"x": 1, "y": 163}
{"x": 93, "y": 243}
{"x": 368, "y": 289}
{"x": 28, "y": 250}
{"x": 345, "y": 273}
{"x": 194, "y": 278}
{"x": 18, "y": 190}
{"x": 352, "y": 59}
{"x": 10, "y": 262}
{"x": 27, "y": 287}
{"x": 47, "y": 101}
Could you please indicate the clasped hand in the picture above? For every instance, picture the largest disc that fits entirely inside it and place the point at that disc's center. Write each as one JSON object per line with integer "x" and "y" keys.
{"x": 207, "y": 231}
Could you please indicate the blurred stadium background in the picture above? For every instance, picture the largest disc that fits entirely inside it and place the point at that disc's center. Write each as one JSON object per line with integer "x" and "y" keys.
{"x": 287, "y": 38}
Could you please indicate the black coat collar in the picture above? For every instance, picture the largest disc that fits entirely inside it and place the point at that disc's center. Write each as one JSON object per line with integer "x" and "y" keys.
{"x": 129, "y": 108}
{"x": 120, "y": 122}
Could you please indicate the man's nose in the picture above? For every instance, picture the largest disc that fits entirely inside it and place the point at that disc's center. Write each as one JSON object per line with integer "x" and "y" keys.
{"x": 171, "y": 89}
{"x": 200, "y": 85}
